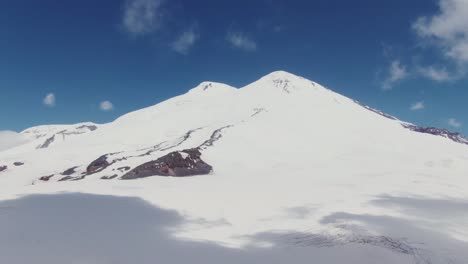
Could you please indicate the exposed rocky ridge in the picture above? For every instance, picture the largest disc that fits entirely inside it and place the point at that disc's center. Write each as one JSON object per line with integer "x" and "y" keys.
{"x": 123, "y": 169}
{"x": 47, "y": 142}
{"x": 457, "y": 137}
{"x": 98, "y": 165}
{"x": 376, "y": 111}
{"x": 257, "y": 111}
{"x": 183, "y": 163}
{"x": 104, "y": 161}
{"x": 283, "y": 84}
{"x": 53, "y": 134}
{"x": 215, "y": 136}
{"x": 46, "y": 178}
{"x": 182, "y": 139}
{"x": 71, "y": 178}
{"x": 109, "y": 177}
{"x": 69, "y": 171}
{"x": 177, "y": 164}
{"x": 167, "y": 145}
{"x": 89, "y": 127}
{"x": 3, "y": 168}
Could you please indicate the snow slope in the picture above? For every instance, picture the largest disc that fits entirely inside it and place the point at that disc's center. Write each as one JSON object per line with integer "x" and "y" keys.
{"x": 294, "y": 165}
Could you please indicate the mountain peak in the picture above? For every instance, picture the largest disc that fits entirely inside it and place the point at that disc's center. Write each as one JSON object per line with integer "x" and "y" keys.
{"x": 210, "y": 87}
{"x": 281, "y": 73}
{"x": 283, "y": 81}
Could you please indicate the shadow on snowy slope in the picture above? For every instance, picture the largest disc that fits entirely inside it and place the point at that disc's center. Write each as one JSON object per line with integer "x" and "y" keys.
{"x": 92, "y": 229}
{"x": 419, "y": 231}
{"x": 436, "y": 209}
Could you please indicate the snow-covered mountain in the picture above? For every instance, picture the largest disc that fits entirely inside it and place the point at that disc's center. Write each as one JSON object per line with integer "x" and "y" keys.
{"x": 282, "y": 158}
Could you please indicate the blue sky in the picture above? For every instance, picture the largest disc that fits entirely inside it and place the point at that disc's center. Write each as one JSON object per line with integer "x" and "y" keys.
{"x": 64, "y": 61}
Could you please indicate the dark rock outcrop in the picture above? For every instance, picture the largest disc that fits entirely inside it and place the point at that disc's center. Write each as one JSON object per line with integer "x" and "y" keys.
{"x": 47, "y": 142}
{"x": 98, "y": 165}
{"x": 69, "y": 171}
{"x": 2, "y": 168}
{"x": 457, "y": 137}
{"x": 46, "y": 178}
{"x": 89, "y": 127}
{"x": 109, "y": 177}
{"x": 71, "y": 178}
{"x": 257, "y": 111}
{"x": 18, "y": 163}
{"x": 283, "y": 84}
{"x": 177, "y": 164}
{"x": 66, "y": 178}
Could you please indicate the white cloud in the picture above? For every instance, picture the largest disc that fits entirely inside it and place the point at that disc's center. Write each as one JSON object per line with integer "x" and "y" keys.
{"x": 435, "y": 74}
{"x": 454, "y": 123}
{"x": 185, "y": 41}
{"x": 49, "y": 100}
{"x": 142, "y": 16}
{"x": 241, "y": 41}
{"x": 10, "y": 139}
{"x": 448, "y": 29}
{"x": 106, "y": 106}
{"x": 417, "y": 106}
{"x": 396, "y": 73}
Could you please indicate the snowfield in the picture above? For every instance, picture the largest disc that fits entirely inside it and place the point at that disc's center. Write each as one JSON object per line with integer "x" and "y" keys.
{"x": 300, "y": 174}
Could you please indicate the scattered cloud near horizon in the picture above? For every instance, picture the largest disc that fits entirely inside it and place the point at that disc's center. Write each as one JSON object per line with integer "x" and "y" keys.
{"x": 447, "y": 31}
{"x": 454, "y": 123}
{"x": 241, "y": 41}
{"x": 417, "y": 106}
{"x": 106, "y": 106}
{"x": 142, "y": 16}
{"x": 49, "y": 100}
{"x": 185, "y": 41}
{"x": 448, "y": 28}
{"x": 435, "y": 73}
{"x": 396, "y": 73}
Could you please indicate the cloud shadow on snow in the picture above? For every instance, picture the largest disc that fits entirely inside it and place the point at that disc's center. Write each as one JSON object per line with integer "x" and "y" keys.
{"x": 91, "y": 229}
{"x": 417, "y": 229}
{"x": 425, "y": 207}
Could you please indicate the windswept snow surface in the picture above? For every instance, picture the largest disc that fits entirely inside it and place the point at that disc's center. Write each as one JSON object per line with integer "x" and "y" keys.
{"x": 300, "y": 174}
{"x": 10, "y": 139}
